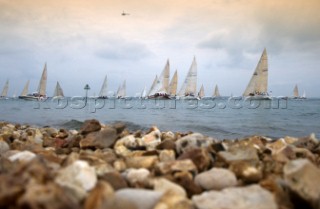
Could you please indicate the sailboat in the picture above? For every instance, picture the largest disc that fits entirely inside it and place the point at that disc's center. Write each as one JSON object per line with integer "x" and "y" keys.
{"x": 40, "y": 94}
{"x": 104, "y": 92}
{"x": 4, "y": 92}
{"x": 189, "y": 86}
{"x": 201, "y": 93}
{"x": 173, "y": 85}
{"x": 143, "y": 93}
{"x": 258, "y": 85}
{"x": 121, "y": 93}
{"x": 161, "y": 87}
{"x": 216, "y": 92}
{"x": 296, "y": 93}
{"x": 58, "y": 92}
{"x": 25, "y": 89}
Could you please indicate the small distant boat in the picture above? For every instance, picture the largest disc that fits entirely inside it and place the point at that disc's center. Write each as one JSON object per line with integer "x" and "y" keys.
{"x": 258, "y": 85}
{"x": 40, "y": 94}
{"x": 104, "y": 91}
{"x": 58, "y": 92}
{"x": 189, "y": 86}
{"x": 201, "y": 93}
{"x": 296, "y": 93}
{"x": 216, "y": 92}
{"x": 121, "y": 93}
{"x": 143, "y": 93}
{"x": 4, "y": 93}
{"x": 160, "y": 87}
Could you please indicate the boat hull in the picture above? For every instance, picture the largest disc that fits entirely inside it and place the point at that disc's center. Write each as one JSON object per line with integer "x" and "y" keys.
{"x": 159, "y": 97}
{"x": 298, "y": 98}
{"x": 32, "y": 98}
{"x": 258, "y": 97}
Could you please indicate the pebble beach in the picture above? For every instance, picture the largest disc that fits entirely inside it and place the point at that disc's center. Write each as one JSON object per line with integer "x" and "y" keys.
{"x": 107, "y": 166}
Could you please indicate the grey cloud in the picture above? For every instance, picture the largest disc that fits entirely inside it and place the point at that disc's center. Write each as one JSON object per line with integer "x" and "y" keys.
{"x": 117, "y": 49}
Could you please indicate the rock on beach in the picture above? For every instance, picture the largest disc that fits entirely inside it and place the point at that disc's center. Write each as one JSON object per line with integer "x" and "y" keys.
{"x": 107, "y": 166}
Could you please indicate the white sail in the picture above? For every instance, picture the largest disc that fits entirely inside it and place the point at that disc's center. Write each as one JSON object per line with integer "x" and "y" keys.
{"x": 216, "y": 92}
{"x": 4, "y": 92}
{"x": 158, "y": 87}
{"x": 58, "y": 92}
{"x": 25, "y": 89}
{"x": 144, "y": 92}
{"x": 296, "y": 91}
{"x": 189, "y": 86}
{"x": 154, "y": 83}
{"x": 104, "y": 91}
{"x": 201, "y": 92}
{"x": 173, "y": 84}
{"x": 43, "y": 82}
{"x": 259, "y": 80}
{"x": 122, "y": 90}
{"x": 165, "y": 77}
{"x": 162, "y": 84}
{"x": 304, "y": 94}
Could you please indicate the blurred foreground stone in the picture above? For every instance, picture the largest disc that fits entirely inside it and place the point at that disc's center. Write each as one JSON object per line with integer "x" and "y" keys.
{"x": 107, "y": 166}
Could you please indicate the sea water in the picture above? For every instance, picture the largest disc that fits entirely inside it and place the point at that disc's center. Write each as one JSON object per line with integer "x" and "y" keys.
{"x": 221, "y": 118}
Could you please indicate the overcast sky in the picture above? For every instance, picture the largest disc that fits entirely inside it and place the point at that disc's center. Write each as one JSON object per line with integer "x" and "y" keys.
{"x": 83, "y": 40}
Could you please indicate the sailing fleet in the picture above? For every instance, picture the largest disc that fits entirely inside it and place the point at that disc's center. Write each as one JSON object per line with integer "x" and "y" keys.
{"x": 164, "y": 88}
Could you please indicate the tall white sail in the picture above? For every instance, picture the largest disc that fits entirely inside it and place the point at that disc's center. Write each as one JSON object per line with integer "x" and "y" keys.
{"x": 173, "y": 84}
{"x": 25, "y": 89}
{"x": 144, "y": 92}
{"x": 259, "y": 80}
{"x": 58, "y": 92}
{"x": 122, "y": 90}
{"x": 4, "y": 92}
{"x": 165, "y": 76}
{"x": 162, "y": 84}
{"x": 104, "y": 90}
{"x": 154, "y": 83}
{"x": 43, "y": 82}
{"x": 189, "y": 86}
{"x": 216, "y": 92}
{"x": 296, "y": 91}
{"x": 201, "y": 92}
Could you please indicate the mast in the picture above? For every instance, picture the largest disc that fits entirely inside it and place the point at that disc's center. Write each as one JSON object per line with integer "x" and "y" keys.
{"x": 4, "y": 92}
{"x": 25, "y": 89}
{"x": 173, "y": 84}
{"x": 259, "y": 79}
{"x": 216, "y": 91}
{"x": 189, "y": 86}
{"x": 296, "y": 91}
{"x": 43, "y": 81}
{"x": 103, "y": 91}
